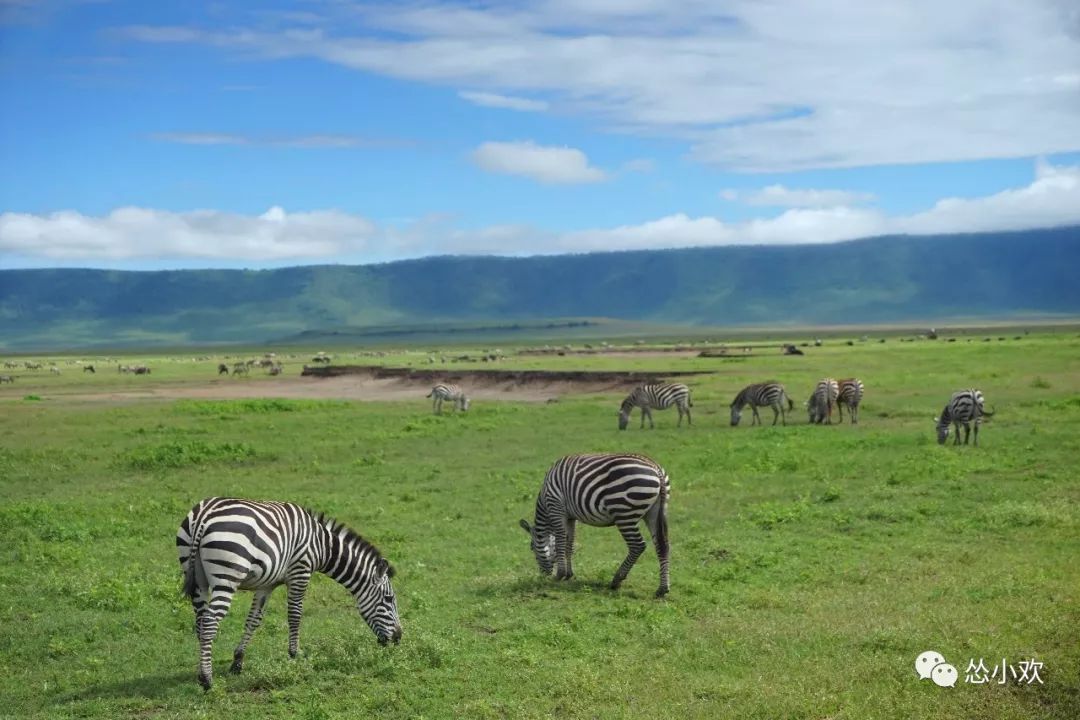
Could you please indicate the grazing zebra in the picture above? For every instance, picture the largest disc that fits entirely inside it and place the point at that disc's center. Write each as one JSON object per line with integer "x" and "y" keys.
{"x": 851, "y": 392}
{"x": 661, "y": 397}
{"x": 453, "y": 393}
{"x": 89, "y": 369}
{"x": 601, "y": 490}
{"x": 964, "y": 407}
{"x": 227, "y": 545}
{"x": 822, "y": 401}
{"x": 222, "y": 369}
{"x": 240, "y": 368}
{"x": 767, "y": 394}
{"x": 7, "y": 379}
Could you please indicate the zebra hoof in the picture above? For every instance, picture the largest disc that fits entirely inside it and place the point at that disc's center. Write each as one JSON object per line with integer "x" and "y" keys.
{"x": 292, "y": 653}
{"x": 614, "y": 584}
{"x": 237, "y": 665}
{"x": 661, "y": 592}
{"x": 205, "y": 681}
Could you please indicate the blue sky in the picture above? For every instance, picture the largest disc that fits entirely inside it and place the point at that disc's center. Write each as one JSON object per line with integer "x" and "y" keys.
{"x": 257, "y": 134}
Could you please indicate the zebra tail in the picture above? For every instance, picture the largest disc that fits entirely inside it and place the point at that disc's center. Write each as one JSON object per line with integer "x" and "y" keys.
{"x": 191, "y": 579}
{"x": 661, "y": 538}
{"x": 430, "y": 394}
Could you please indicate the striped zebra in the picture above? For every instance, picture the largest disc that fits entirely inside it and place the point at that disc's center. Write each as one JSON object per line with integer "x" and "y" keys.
{"x": 965, "y": 407}
{"x": 767, "y": 394}
{"x": 661, "y": 397}
{"x": 601, "y": 490}
{"x": 453, "y": 393}
{"x": 227, "y": 545}
{"x": 822, "y": 401}
{"x": 851, "y": 392}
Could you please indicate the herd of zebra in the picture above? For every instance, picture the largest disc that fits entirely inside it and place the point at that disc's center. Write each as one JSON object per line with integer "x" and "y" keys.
{"x": 227, "y": 544}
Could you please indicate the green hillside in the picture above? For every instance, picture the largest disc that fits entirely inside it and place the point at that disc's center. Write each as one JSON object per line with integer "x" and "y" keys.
{"x": 877, "y": 280}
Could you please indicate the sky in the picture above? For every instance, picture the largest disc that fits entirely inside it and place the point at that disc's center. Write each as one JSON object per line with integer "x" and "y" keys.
{"x": 144, "y": 135}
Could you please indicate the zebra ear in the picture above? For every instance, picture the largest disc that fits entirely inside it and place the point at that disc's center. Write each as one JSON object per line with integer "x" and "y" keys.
{"x": 385, "y": 568}
{"x": 525, "y": 526}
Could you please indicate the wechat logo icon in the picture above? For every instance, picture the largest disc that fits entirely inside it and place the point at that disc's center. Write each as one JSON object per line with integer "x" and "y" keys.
{"x": 931, "y": 665}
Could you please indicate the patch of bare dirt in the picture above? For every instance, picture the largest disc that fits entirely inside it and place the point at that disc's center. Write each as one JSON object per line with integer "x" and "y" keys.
{"x": 381, "y": 383}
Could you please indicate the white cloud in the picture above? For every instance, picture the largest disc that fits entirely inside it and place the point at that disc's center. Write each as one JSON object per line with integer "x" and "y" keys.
{"x": 1051, "y": 199}
{"x": 546, "y": 164}
{"x": 507, "y": 102}
{"x": 756, "y": 86}
{"x": 639, "y": 165}
{"x": 780, "y": 196}
{"x": 298, "y": 141}
{"x": 132, "y": 233}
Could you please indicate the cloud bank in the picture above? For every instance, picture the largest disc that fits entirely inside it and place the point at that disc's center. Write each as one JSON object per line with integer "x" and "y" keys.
{"x": 555, "y": 165}
{"x": 127, "y": 234}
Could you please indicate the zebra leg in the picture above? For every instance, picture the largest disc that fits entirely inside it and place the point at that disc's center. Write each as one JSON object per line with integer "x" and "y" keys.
{"x": 254, "y": 619}
{"x": 297, "y": 586}
{"x": 646, "y": 411}
{"x": 956, "y": 428}
{"x": 978, "y": 421}
{"x": 635, "y": 545}
{"x": 215, "y": 610}
{"x": 840, "y": 409}
{"x": 967, "y": 432}
{"x": 756, "y": 420}
{"x": 777, "y": 411}
{"x": 564, "y": 538}
{"x": 688, "y": 422}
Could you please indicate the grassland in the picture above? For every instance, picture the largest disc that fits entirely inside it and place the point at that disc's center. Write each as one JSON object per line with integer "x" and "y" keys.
{"x": 810, "y": 565}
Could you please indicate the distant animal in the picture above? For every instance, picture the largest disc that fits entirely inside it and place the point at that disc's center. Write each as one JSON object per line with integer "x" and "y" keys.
{"x": 453, "y": 393}
{"x": 601, "y": 490}
{"x": 89, "y": 368}
{"x": 6, "y": 379}
{"x": 32, "y": 365}
{"x": 275, "y": 369}
{"x": 225, "y": 545}
{"x": 767, "y": 394}
{"x": 964, "y": 408}
{"x": 659, "y": 396}
{"x": 241, "y": 368}
{"x": 54, "y": 370}
{"x": 10, "y": 364}
{"x": 140, "y": 370}
{"x": 822, "y": 401}
{"x": 851, "y": 392}
{"x": 222, "y": 369}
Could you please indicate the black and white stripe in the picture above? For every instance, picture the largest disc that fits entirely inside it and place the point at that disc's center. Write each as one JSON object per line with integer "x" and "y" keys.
{"x": 822, "y": 401}
{"x": 227, "y": 545}
{"x": 601, "y": 490}
{"x": 767, "y": 394}
{"x": 965, "y": 407}
{"x": 659, "y": 397}
{"x": 453, "y": 393}
{"x": 851, "y": 392}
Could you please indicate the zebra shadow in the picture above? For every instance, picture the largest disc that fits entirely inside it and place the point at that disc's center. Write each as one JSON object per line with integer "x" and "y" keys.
{"x": 150, "y": 687}
{"x": 540, "y": 587}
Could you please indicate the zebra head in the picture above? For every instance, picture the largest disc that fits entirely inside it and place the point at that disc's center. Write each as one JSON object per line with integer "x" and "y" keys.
{"x": 624, "y": 418}
{"x": 378, "y": 605}
{"x": 464, "y": 403}
{"x": 942, "y": 428}
{"x": 543, "y": 547}
{"x": 736, "y": 414}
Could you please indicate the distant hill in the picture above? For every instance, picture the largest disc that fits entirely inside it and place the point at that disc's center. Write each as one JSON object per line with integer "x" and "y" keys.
{"x": 876, "y": 280}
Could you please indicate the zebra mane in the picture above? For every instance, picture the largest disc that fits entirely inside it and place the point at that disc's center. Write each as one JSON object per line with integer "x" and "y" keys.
{"x": 351, "y": 537}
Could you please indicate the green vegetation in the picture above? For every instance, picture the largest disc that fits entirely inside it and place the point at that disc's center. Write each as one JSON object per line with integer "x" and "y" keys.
{"x": 1020, "y": 274}
{"x": 810, "y": 564}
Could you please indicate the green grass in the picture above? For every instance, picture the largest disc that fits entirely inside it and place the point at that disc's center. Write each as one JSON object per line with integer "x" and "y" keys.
{"x": 810, "y": 564}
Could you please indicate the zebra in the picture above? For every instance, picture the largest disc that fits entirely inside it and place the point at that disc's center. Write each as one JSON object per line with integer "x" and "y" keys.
{"x": 222, "y": 369}
{"x": 767, "y": 394}
{"x": 240, "y": 368}
{"x": 7, "y": 379}
{"x": 660, "y": 396}
{"x": 226, "y": 544}
{"x": 601, "y": 490}
{"x": 453, "y": 393}
{"x": 851, "y": 392}
{"x": 822, "y": 401}
{"x": 89, "y": 369}
{"x": 964, "y": 407}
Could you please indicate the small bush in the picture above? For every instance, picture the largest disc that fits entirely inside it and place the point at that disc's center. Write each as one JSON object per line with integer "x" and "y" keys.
{"x": 32, "y": 398}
